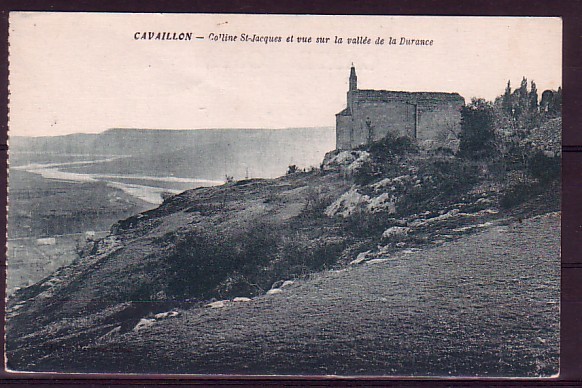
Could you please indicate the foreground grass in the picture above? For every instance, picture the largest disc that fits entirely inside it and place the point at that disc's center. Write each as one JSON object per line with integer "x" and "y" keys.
{"x": 486, "y": 304}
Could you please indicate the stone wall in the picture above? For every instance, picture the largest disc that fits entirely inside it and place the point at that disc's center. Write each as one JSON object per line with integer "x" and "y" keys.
{"x": 379, "y": 118}
{"x": 439, "y": 122}
{"x": 429, "y": 117}
{"x": 343, "y": 129}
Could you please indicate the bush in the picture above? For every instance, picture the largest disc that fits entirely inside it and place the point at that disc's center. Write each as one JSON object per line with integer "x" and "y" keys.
{"x": 199, "y": 264}
{"x": 391, "y": 146}
{"x": 385, "y": 155}
{"x": 368, "y": 172}
{"x": 292, "y": 169}
{"x": 217, "y": 266}
{"x": 315, "y": 201}
{"x": 444, "y": 151}
{"x": 364, "y": 224}
{"x": 477, "y": 137}
{"x": 543, "y": 168}
{"x": 299, "y": 256}
{"x": 166, "y": 195}
{"x": 518, "y": 194}
{"x": 445, "y": 181}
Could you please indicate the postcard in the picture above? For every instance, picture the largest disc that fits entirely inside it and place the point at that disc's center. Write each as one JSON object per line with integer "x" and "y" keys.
{"x": 229, "y": 194}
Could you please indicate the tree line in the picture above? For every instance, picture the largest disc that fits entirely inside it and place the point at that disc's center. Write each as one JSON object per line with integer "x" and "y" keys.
{"x": 487, "y": 126}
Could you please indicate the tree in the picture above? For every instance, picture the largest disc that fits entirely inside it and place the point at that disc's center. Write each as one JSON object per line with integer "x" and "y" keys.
{"x": 523, "y": 95}
{"x": 533, "y": 98}
{"x": 506, "y": 103}
{"x": 477, "y": 137}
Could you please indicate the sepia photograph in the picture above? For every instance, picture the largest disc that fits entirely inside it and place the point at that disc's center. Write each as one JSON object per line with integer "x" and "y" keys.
{"x": 284, "y": 195}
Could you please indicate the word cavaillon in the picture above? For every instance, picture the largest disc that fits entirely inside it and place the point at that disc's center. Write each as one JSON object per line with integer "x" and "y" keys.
{"x": 162, "y": 35}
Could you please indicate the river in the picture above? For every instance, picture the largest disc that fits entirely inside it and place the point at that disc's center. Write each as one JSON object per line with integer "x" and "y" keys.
{"x": 150, "y": 193}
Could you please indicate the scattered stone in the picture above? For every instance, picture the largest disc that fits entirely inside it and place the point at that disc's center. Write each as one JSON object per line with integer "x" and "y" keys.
{"x": 144, "y": 323}
{"x": 274, "y": 291}
{"x": 376, "y": 261}
{"x": 396, "y": 231}
{"x": 168, "y": 314}
{"x": 484, "y": 201}
{"x": 347, "y": 204}
{"x": 241, "y": 299}
{"x": 485, "y": 224}
{"x": 464, "y": 228}
{"x": 287, "y": 283}
{"x": 216, "y": 305}
{"x": 443, "y": 216}
{"x": 382, "y": 203}
{"x": 501, "y": 229}
{"x": 361, "y": 257}
{"x": 111, "y": 333}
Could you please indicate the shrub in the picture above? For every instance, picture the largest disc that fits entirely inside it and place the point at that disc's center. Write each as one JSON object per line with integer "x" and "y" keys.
{"x": 518, "y": 194}
{"x": 298, "y": 256}
{"x": 199, "y": 264}
{"x": 391, "y": 146}
{"x": 365, "y": 224}
{"x": 368, "y": 172}
{"x": 166, "y": 195}
{"x": 544, "y": 168}
{"x": 211, "y": 266}
{"x": 445, "y": 181}
{"x": 444, "y": 151}
{"x": 315, "y": 201}
{"x": 477, "y": 137}
{"x": 292, "y": 169}
{"x": 385, "y": 155}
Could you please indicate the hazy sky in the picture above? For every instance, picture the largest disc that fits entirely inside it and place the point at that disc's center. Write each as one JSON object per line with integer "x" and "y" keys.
{"x": 81, "y": 72}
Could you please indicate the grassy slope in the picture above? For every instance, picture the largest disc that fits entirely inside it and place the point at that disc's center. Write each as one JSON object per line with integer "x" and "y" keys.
{"x": 426, "y": 313}
{"x": 455, "y": 309}
{"x": 237, "y": 239}
{"x": 138, "y": 257}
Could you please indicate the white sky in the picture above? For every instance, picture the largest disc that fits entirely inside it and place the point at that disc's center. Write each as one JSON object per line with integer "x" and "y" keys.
{"x": 82, "y": 72}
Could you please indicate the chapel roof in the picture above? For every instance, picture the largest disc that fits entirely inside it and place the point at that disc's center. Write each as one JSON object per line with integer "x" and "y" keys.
{"x": 345, "y": 112}
{"x": 390, "y": 94}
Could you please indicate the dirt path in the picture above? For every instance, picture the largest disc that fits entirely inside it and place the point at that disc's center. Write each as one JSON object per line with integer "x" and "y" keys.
{"x": 487, "y": 304}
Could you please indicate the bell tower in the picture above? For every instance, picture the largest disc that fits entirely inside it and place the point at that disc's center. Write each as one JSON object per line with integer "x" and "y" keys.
{"x": 353, "y": 79}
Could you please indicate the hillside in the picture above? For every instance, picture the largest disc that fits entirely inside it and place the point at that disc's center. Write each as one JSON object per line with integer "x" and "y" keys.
{"x": 427, "y": 235}
{"x": 134, "y": 141}
{"x": 430, "y": 312}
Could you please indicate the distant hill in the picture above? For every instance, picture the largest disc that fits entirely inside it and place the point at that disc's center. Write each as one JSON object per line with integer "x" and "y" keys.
{"x": 203, "y": 153}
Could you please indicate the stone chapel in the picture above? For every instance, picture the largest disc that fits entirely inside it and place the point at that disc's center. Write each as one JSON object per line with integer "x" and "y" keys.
{"x": 430, "y": 117}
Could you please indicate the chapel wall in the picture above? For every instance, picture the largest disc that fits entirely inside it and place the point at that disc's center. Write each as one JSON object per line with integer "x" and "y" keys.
{"x": 343, "y": 131}
{"x": 393, "y": 116}
{"x": 439, "y": 121}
